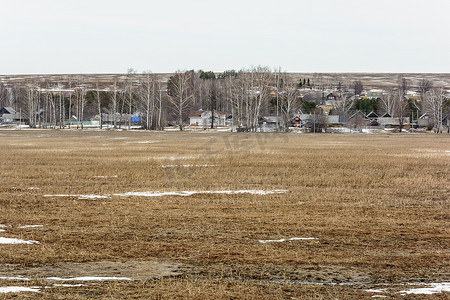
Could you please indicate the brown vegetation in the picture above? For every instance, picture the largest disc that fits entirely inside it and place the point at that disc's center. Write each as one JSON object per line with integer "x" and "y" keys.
{"x": 377, "y": 205}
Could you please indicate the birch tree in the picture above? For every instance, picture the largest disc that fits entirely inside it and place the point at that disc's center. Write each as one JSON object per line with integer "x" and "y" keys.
{"x": 288, "y": 99}
{"x": 388, "y": 101}
{"x": 180, "y": 94}
{"x": 435, "y": 101}
{"x": 400, "y": 107}
{"x": 31, "y": 95}
{"x": 146, "y": 96}
{"x": 343, "y": 105}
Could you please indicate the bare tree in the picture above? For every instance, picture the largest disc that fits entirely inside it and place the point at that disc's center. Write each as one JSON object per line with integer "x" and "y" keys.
{"x": 318, "y": 120}
{"x": 146, "y": 96}
{"x": 388, "y": 101}
{"x": 180, "y": 94}
{"x": 80, "y": 92}
{"x": 4, "y": 95}
{"x": 114, "y": 100}
{"x": 129, "y": 90}
{"x": 288, "y": 100}
{"x": 257, "y": 95}
{"x": 343, "y": 105}
{"x": 424, "y": 86}
{"x": 358, "y": 87}
{"x": 400, "y": 107}
{"x": 99, "y": 103}
{"x": 435, "y": 100}
{"x": 31, "y": 98}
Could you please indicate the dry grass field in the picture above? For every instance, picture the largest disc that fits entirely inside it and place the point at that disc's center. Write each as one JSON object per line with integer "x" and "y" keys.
{"x": 210, "y": 215}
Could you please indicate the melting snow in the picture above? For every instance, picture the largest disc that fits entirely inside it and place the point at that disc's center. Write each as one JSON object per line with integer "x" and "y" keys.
{"x": 434, "y": 288}
{"x": 4, "y": 240}
{"x": 141, "y": 142}
{"x": 189, "y": 193}
{"x": 17, "y": 289}
{"x": 68, "y": 285}
{"x": 174, "y": 157}
{"x": 174, "y": 166}
{"x": 15, "y": 278}
{"x": 33, "y": 188}
{"x": 87, "y": 278}
{"x": 30, "y": 226}
{"x": 376, "y": 290}
{"x": 285, "y": 240}
{"x": 80, "y": 196}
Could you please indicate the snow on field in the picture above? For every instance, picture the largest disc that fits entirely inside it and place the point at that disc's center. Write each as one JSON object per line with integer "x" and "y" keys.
{"x": 81, "y": 197}
{"x": 285, "y": 240}
{"x": 4, "y": 241}
{"x": 141, "y": 142}
{"x": 18, "y": 289}
{"x": 181, "y": 193}
{"x": 376, "y": 290}
{"x": 67, "y": 285}
{"x": 432, "y": 289}
{"x": 190, "y": 193}
{"x": 30, "y": 226}
{"x": 433, "y": 151}
{"x": 87, "y": 278}
{"x": 14, "y": 278}
{"x": 187, "y": 166}
{"x": 174, "y": 157}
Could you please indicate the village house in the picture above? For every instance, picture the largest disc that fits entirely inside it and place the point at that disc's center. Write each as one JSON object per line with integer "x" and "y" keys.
{"x": 9, "y": 115}
{"x": 203, "y": 118}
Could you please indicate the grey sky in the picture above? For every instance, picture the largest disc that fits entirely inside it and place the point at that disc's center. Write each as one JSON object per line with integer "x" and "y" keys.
{"x": 100, "y": 36}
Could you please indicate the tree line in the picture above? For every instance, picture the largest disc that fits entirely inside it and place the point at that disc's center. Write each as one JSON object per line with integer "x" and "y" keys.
{"x": 247, "y": 95}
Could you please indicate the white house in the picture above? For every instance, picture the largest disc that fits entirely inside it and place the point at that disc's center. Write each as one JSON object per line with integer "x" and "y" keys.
{"x": 203, "y": 118}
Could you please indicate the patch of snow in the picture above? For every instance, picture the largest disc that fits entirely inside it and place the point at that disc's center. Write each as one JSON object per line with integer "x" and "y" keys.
{"x": 87, "y": 278}
{"x": 2, "y": 230}
{"x": 285, "y": 240}
{"x": 14, "y": 278}
{"x": 433, "y": 151}
{"x": 432, "y": 289}
{"x": 174, "y": 157}
{"x": 186, "y": 166}
{"x": 3, "y": 226}
{"x": 33, "y": 188}
{"x": 114, "y": 176}
{"x": 4, "y": 240}
{"x": 190, "y": 193}
{"x": 92, "y": 197}
{"x": 68, "y": 285}
{"x": 141, "y": 142}
{"x": 18, "y": 289}
{"x": 30, "y": 226}
{"x": 376, "y": 290}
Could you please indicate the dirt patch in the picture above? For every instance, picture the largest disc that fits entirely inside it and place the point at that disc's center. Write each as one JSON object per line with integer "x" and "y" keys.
{"x": 302, "y": 274}
{"x": 135, "y": 270}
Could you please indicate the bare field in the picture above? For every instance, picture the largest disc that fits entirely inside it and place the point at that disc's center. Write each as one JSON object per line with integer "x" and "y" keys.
{"x": 163, "y": 215}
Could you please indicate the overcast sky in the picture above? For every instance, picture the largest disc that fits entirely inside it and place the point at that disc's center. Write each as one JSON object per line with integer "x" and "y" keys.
{"x": 108, "y": 36}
